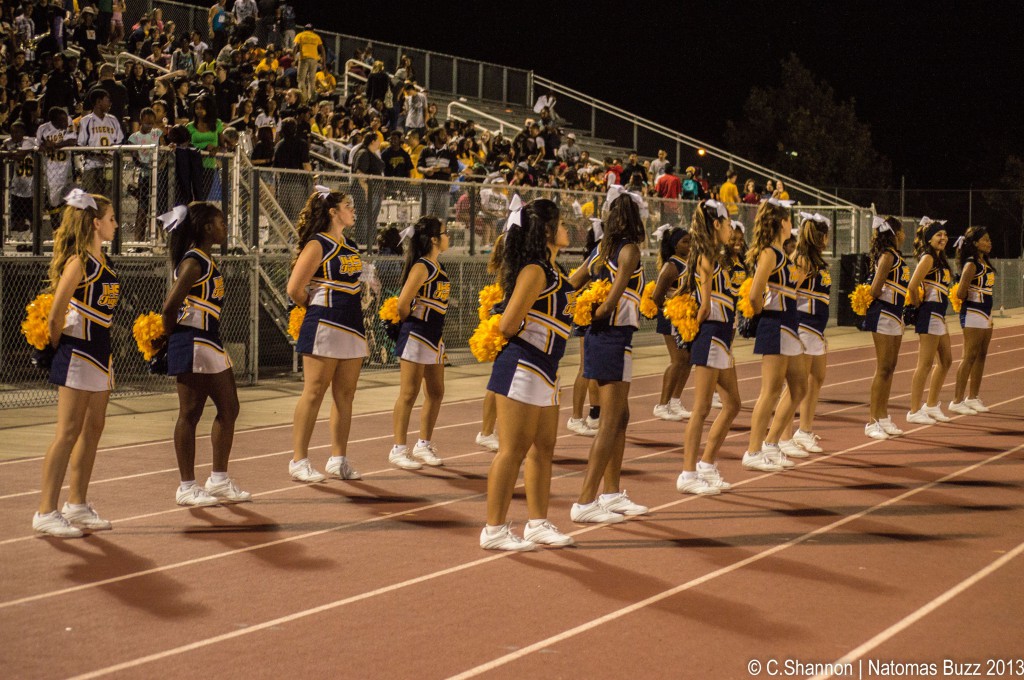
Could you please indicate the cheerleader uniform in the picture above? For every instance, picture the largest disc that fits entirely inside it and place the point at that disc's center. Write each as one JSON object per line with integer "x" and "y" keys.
{"x": 885, "y": 314}
{"x": 194, "y": 345}
{"x": 333, "y": 326}
{"x": 526, "y": 370}
{"x": 82, "y": 360}
{"x": 608, "y": 344}
{"x": 976, "y": 310}
{"x": 419, "y": 336}
{"x": 712, "y": 346}
{"x": 665, "y": 326}
{"x": 812, "y": 299}
{"x": 778, "y": 331}
{"x": 931, "y": 317}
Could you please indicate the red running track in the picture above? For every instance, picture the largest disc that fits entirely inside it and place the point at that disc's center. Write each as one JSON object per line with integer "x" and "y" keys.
{"x": 873, "y": 550}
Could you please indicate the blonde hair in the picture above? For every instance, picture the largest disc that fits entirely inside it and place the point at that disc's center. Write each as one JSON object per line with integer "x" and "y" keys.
{"x": 767, "y": 223}
{"x": 74, "y": 235}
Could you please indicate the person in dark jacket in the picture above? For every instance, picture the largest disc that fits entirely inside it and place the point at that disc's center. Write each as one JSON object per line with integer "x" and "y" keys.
{"x": 292, "y": 153}
{"x": 366, "y": 191}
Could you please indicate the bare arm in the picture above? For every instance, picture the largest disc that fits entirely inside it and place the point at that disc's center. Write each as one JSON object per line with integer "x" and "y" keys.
{"x": 763, "y": 269}
{"x": 924, "y": 265}
{"x": 529, "y": 284}
{"x": 580, "y": 276}
{"x": 417, "y": 275}
{"x": 705, "y": 268}
{"x": 962, "y": 288}
{"x": 188, "y": 273}
{"x": 885, "y": 263}
{"x": 629, "y": 258}
{"x": 302, "y": 272}
{"x": 72, "y": 275}
{"x": 666, "y": 278}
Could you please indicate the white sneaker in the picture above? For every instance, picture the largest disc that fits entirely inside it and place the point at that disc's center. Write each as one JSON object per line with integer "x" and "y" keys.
{"x": 677, "y": 408}
{"x": 713, "y": 477}
{"x": 977, "y": 405}
{"x": 890, "y": 427}
{"x": 547, "y": 534}
{"x": 920, "y": 417}
{"x": 339, "y": 467}
{"x": 593, "y": 423}
{"x": 757, "y": 461}
{"x": 427, "y": 454}
{"x": 303, "y": 471}
{"x": 85, "y": 518}
{"x": 665, "y": 412}
{"x": 621, "y": 504}
{"x": 695, "y": 485}
{"x": 875, "y": 431}
{"x": 716, "y": 401}
{"x": 227, "y": 491}
{"x": 489, "y": 441}
{"x": 936, "y": 414}
{"x": 773, "y": 453}
{"x": 399, "y": 457}
{"x": 54, "y": 524}
{"x": 195, "y": 496}
{"x": 792, "y": 449}
{"x": 593, "y": 513}
{"x": 807, "y": 440}
{"x": 504, "y": 539}
{"x": 580, "y": 426}
{"x": 962, "y": 408}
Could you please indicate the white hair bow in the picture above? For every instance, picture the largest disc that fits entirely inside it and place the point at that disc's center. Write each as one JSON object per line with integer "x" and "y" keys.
{"x": 880, "y": 224}
{"x": 408, "y": 232}
{"x": 716, "y": 208}
{"x": 597, "y": 227}
{"x": 617, "y": 190}
{"x": 736, "y": 224}
{"x": 660, "y": 232}
{"x": 515, "y": 215}
{"x": 804, "y": 216}
{"x": 781, "y": 203}
{"x": 322, "y": 190}
{"x": 818, "y": 217}
{"x": 958, "y": 243}
{"x": 925, "y": 221}
{"x": 77, "y": 198}
{"x": 172, "y": 219}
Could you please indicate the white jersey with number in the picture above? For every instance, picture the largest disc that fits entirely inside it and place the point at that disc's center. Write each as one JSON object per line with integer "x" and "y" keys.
{"x": 96, "y": 131}
{"x": 58, "y": 162}
{"x": 24, "y": 168}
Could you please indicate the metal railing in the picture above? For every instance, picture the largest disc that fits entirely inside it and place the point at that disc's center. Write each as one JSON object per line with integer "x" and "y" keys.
{"x": 127, "y": 56}
{"x": 502, "y": 124}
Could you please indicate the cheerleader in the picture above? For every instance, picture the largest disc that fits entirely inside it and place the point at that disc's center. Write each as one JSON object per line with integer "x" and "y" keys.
{"x": 325, "y": 279}
{"x": 608, "y": 358}
{"x": 714, "y": 276}
{"x": 773, "y": 296}
{"x": 195, "y": 354}
{"x": 85, "y": 291}
{"x": 977, "y": 278}
{"x": 582, "y": 389}
{"x": 674, "y": 248}
{"x": 885, "y": 319}
{"x": 539, "y": 306}
{"x": 422, "y": 306}
{"x": 933, "y": 273}
{"x": 487, "y": 437}
{"x": 812, "y": 301}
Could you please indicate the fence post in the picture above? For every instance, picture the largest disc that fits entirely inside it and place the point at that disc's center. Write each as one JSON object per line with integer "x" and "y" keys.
{"x": 473, "y": 203}
{"x": 480, "y": 81}
{"x": 455, "y": 77}
{"x": 154, "y": 191}
{"x": 254, "y": 201}
{"x": 504, "y": 85}
{"x": 38, "y": 203}
{"x": 5, "y": 219}
{"x": 593, "y": 120}
{"x": 529, "y": 89}
{"x": 426, "y": 68}
{"x": 115, "y": 195}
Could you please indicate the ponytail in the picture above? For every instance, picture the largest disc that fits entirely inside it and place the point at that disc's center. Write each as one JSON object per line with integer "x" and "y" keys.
{"x": 189, "y": 232}
{"x": 426, "y": 229}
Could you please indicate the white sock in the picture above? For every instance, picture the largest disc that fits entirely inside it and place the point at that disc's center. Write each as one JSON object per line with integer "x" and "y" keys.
{"x": 78, "y": 506}
{"x": 687, "y": 475}
{"x": 586, "y": 506}
{"x": 296, "y": 463}
{"x": 493, "y": 530}
{"x": 337, "y": 459}
{"x": 534, "y": 523}
{"x": 399, "y": 447}
{"x": 185, "y": 486}
{"x": 423, "y": 443}
{"x": 609, "y": 496}
{"x": 218, "y": 477}
{"x": 701, "y": 465}
{"x": 674, "y": 402}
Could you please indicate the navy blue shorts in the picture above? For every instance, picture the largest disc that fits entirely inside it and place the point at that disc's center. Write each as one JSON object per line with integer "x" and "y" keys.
{"x": 191, "y": 350}
{"x": 712, "y": 346}
{"x": 578, "y": 331}
{"x": 884, "y": 318}
{"x": 523, "y": 373}
{"x": 83, "y": 364}
{"x": 931, "y": 318}
{"x": 608, "y": 354}
{"x": 664, "y": 325}
{"x": 778, "y": 333}
{"x": 333, "y": 333}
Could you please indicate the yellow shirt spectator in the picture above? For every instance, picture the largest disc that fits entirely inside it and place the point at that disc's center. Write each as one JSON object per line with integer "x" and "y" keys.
{"x": 414, "y": 155}
{"x": 730, "y": 195}
{"x": 267, "y": 66}
{"x": 325, "y": 83}
{"x": 308, "y": 43}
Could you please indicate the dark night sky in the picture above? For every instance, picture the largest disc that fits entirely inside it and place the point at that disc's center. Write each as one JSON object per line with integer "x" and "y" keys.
{"x": 939, "y": 82}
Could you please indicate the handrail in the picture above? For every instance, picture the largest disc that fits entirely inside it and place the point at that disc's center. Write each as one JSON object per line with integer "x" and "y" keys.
{"x": 144, "y": 62}
{"x": 501, "y": 123}
{"x": 346, "y": 73}
{"x": 689, "y": 141}
{"x": 329, "y": 161}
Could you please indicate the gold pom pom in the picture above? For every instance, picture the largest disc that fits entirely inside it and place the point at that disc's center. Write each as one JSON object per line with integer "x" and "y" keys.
{"x": 389, "y": 310}
{"x": 147, "y": 330}
{"x": 681, "y": 310}
{"x": 647, "y": 306}
{"x": 954, "y": 298}
{"x": 36, "y": 326}
{"x": 295, "y": 319}
{"x": 592, "y": 296}
{"x": 487, "y": 340}
{"x": 861, "y": 299}
{"x": 743, "y": 299}
{"x": 489, "y": 296}
{"x": 826, "y": 277}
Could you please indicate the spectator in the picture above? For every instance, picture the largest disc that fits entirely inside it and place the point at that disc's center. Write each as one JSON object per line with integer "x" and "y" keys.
{"x": 780, "y": 191}
{"x": 198, "y": 48}
{"x": 286, "y": 22}
{"x": 730, "y": 194}
{"x": 118, "y": 92}
{"x": 311, "y": 55}
{"x": 769, "y": 189}
{"x": 691, "y": 188}
{"x": 669, "y": 188}
{"x": 415, "y": 109}
{"x": 436, "y": 162}
{"x": 86, "y": 35}
{"x": 397, "y": 161}
{"x": 244, "y": 10}
{"x": 698, "y": 175}
{"x": 367, "y": 192}
{"x": 632, "y": 167}
{"x": 326, "y": 84}
{"x": 138, "y": 86}
{"x": 147, "y": 134}
{"x": 204, "y": 132}
{"x": 378, "y": 82}
{"x": 188, "y": 167}
{"x": 658, "y": 164}
{"x": 219, "y": 22}
{"x": 263, "y": 150}
{"x": 292, "y": 153}
{"x": 51, "y": 137}
{"x": 61, "y": 90}
{"x": 750, "y": 194}
{"x": 98, "y": 129}
{"x": 18, "y": 147}
{"x": 138, "y": 37}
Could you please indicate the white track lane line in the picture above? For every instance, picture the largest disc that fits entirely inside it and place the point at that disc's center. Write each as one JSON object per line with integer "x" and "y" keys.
{"x": 924, "y": 611}
{"x": 554, "y": 639}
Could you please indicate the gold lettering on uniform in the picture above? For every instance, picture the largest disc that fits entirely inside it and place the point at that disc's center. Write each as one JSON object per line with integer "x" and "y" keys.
{"x": 570, "y": 304}
{"x": 218, "y": 287}
{"x": 443, "y": 291}
{"x": 826, "y": 278}
{"x": 945, "y": 276}
{"x": 738, "y": 277}
{"x": 990, "y": 280}
{"x": 108, "y": 298}
{"x": 904, "y": 274}
{"x": 350, "y": 264}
